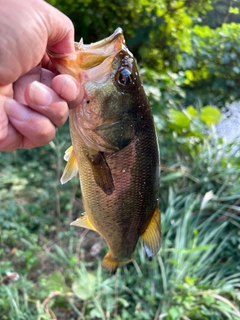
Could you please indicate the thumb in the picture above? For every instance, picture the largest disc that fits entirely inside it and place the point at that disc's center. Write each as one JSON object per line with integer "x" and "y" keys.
{"x": 60, "y": 31}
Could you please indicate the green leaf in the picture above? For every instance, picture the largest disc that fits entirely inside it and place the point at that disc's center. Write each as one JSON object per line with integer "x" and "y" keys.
{"x": 56, "y": 282}
{"x": 209, "y": 300}
{"x": 190, "y": 280}
{"x": 84, "y": 286}
{"x": 172, "y": 176}
{"x": 192, "y": 111}
{"x": 123, "y": 302}
{"x": 210, "y": 115}
{"x": 233, "y": 10}
{"x": 179, "y": 118}
{"x": 175, "y": 312}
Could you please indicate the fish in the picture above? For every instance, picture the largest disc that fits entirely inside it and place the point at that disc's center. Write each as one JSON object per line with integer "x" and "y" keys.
{"x": 114, "y": 149}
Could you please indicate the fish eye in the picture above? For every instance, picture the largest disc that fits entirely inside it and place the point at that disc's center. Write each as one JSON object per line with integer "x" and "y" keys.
{"x": 125, "y": 77}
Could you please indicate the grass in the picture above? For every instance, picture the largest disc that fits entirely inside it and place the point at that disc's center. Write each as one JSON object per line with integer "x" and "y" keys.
{"x": 57, "y": 267}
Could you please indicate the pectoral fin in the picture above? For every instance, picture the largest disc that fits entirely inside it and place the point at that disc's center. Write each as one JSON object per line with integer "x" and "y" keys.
{"x": 83, "y": 222}
{"x": 68, "y": 153}
{"x": 101, "y": 172}
{"x": 152, "y": 235}
{"x": 71, "y": 168}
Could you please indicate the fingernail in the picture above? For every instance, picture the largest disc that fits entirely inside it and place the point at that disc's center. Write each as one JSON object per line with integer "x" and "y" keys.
{"x": 39, "y": 94}
{"x": 16, "y": 110}
{"x": 70, "y": 89}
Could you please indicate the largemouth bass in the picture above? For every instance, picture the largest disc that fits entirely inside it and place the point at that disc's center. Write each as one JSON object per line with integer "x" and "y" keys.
{"x": 114, "y": 149}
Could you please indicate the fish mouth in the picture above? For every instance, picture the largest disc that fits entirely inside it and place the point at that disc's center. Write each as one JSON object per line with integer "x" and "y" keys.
{"x": 90, "y": 62}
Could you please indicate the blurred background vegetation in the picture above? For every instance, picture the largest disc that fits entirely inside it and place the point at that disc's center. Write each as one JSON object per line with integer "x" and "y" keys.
{"x": 188, "y": 53}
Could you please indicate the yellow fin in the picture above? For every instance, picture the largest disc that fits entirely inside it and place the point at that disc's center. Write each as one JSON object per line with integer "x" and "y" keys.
{"x": 111, "y": 264}
{"x": 71, "y": 168}
{"x": 68, "y": 153}
{"x": 83, "y": 222}
{"x": 152, "y": 235}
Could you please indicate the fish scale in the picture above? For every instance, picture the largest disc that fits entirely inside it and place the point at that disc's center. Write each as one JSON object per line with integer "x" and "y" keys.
{"x": 114, "y": 149}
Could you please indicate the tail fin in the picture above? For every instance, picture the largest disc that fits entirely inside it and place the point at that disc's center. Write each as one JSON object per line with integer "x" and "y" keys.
{"x": 152, "y": 235}
{"x": 111, "y": 264}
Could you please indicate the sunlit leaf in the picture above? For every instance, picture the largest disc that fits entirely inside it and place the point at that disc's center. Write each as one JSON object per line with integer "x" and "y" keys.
{"x": 179, "y": 118}
{"x": 233, "y": 10}
{"x": 210, "y": 115}
{"x": 192, "y": 111}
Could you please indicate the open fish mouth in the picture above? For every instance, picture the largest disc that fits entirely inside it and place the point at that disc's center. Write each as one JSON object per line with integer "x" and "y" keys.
{"x": 90, "y": 61}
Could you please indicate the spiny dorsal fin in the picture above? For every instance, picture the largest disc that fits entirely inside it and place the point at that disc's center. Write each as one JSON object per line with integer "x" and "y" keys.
{"x": 83, "y": 222}
{"x": 71, "y": 168}
{"x": 152, "y": 235}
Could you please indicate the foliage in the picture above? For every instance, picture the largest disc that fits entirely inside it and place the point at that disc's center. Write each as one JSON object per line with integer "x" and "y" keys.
{"x": 212, "y": 53}
{"x": 151, "y": 28}
{"x": 169, "y": 38}
{"x": 49, "y": 270}
{"x": 196, "y": 273}
{"x": 223, "y": 11}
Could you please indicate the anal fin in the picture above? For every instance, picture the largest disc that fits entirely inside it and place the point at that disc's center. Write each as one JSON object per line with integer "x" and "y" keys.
{"x": 152, "y": 235}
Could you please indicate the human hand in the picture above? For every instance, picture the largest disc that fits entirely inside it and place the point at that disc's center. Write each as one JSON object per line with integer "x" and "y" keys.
{"x": 33, "y": 98}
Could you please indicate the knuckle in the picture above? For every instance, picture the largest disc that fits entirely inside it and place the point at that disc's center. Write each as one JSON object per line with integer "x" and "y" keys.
{"x": 3, "y": 135}
{"x": 44, "y": 131}
{"x": 61, "y": 113}
{"x": 45, "y": 136}
{"x": 3, "y": 129}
